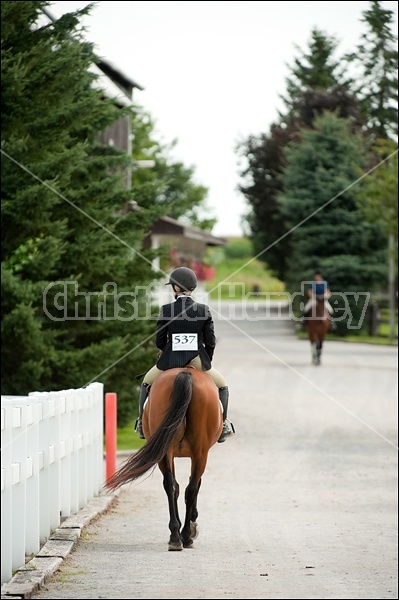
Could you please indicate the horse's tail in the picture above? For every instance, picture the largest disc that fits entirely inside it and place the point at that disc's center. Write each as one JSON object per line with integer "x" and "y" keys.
{"x": 157, "y": 446}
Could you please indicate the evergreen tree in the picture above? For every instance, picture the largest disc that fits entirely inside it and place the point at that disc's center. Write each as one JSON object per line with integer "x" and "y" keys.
{"x": 314, "y": 69}
{"x": 319, "y": 204}
{"x": 377, "y": 58}
{"x": 315, "y": 85}
{"x": 64, "y": 220}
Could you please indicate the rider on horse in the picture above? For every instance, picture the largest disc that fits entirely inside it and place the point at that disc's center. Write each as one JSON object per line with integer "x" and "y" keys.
{"x": 185, "y": 337}
{"x": 319, "y": 288}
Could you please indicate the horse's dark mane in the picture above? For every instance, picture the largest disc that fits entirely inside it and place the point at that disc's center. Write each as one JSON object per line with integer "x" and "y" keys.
{"x": 157, "y": 446}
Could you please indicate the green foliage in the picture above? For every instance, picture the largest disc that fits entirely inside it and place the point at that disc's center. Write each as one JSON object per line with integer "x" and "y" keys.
{"x": 320, "y": 205}
{"x": 214, "y": 255}
{"x": 265, "y": 158}
{"x": 64, "y": 218}
{"x": 127, "y": 438}
{"x": 378, "y": 196}
{"x": 27, "y": 348}
{"x": 316, "y": 85}
{"x": 315, "y": 68}
{"x": 239, "y": 274}
{"x": 239, "y": 248}
{"x": 376, "y": 57}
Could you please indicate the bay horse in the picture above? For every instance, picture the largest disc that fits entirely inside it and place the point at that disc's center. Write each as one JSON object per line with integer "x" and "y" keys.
{"x": 318, "y": 324}
{"x": 182, "y": 417}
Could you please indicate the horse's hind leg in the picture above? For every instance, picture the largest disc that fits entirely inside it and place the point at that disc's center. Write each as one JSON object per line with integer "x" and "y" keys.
{"x": 194, "y": 516}
{"x": 314, "y": 353}
{"x": 194, "y": 512}
{"x": 171, "y": 488}
{"x": 190, "y": 528}
{"x": 319, "y": 349}
{"x": 189, "y": 531}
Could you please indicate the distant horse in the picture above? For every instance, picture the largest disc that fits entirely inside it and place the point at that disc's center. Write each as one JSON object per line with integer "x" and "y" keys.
{"x": 182, "y": 418}
{"x": 317, "y": 325}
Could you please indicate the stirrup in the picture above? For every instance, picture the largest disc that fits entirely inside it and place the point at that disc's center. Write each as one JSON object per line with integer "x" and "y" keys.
{"x": 228, "y": 430}
{"x": 139, "y": 428}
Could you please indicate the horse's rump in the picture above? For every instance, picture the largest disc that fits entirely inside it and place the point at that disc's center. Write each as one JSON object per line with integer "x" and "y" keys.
{"x": 202, "y": 422}
{"x": 181, "y": 418}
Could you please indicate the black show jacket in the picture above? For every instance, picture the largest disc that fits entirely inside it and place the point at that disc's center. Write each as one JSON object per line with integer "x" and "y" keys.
{"x": 185, "y": 316}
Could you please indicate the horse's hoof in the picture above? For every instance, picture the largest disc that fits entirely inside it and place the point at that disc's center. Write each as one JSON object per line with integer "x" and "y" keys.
{"x": 188, "y": 543}
{"x": 194, "y": 530}
{"x": 175, "y": 546}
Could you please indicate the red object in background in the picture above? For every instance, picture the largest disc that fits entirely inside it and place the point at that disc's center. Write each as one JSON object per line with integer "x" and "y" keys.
{"x": 110, "y": 433}
{"x": 174, "y": 258}
{"x": 207, "y": 272}
{"x": 203, "y": 272}
{"x": 196, "y": 267}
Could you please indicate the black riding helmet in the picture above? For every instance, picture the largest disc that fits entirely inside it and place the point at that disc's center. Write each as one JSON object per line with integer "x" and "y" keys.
{"x": 184, "y": 278}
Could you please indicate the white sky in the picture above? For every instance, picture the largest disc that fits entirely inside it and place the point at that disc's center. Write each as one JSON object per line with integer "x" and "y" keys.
{"x": 213, "y": 73}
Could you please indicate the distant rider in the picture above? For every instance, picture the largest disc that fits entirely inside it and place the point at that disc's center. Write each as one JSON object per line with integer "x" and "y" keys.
{"x": 318, "y": 288}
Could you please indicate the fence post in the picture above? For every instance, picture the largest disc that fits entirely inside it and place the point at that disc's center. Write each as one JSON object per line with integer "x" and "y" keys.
{"x": 6, "y": 493}
{"x": 373, "y": 318}
{"x": 32, "y": 533}
{"x": 74, "y": 483}
{"x": 110, "y": 433}
{"x": 18, "y": 480}
{"x": 82, "y": 446}
{"x": 65, "y": 456}
{"x": 98, "y": 389}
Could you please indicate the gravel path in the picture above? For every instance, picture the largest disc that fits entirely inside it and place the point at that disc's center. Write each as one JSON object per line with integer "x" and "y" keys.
{"x": 301, "y": 503}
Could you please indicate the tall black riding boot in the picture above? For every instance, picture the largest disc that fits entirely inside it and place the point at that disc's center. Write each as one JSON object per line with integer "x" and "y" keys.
{"x": 228, "y": 427}
{"x": 143, "y": 396}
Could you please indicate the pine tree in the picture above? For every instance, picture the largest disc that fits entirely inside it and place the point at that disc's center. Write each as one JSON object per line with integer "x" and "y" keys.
{"x": 64, "y": 219}
{"x": 314, "y": 69}
{"x": 315, "y": 85}
{"x": 377, "y": 59}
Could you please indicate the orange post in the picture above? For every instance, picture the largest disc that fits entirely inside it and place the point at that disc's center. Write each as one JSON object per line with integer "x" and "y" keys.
{"x": 110, "y": 433}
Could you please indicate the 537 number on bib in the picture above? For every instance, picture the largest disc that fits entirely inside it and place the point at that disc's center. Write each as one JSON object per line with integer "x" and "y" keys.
{"x": 184, "y": 341}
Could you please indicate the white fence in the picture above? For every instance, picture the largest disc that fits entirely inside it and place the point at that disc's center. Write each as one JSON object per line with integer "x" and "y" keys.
{"x": 51, "y": 465}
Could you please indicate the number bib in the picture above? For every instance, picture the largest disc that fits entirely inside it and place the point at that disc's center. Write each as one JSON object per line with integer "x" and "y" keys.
{"x": 184, "y": 341}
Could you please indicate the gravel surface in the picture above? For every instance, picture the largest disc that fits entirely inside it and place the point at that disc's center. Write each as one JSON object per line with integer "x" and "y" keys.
{"x": 301, "y": 503}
